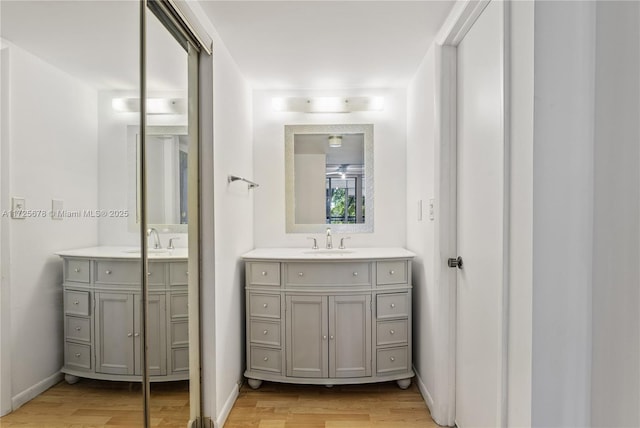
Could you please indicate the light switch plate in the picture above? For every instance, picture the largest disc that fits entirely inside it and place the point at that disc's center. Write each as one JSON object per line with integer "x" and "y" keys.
{"x": 57, "y": 205}
{"x": 420, "y": 210}
{"x": 18, "y": 207}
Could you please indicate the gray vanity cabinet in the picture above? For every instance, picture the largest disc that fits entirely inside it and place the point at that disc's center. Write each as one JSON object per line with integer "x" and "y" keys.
{"x": 328, "y": 322}
{"x": 102, "y": 312}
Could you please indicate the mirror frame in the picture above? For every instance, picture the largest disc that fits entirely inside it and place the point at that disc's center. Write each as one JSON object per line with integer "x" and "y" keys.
{"x": 133, "y": 153}
{"x": 290, "y": 131}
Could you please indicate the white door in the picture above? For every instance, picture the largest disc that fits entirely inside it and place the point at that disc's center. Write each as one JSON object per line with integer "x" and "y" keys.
{"x": 480, "y": 203}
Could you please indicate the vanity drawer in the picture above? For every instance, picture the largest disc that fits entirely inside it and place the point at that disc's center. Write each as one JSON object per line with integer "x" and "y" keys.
{"x": 77, "y": 270}
{"x": 127, "y": 273}
{"x": 392, "y": 360}
{"x": 77, "y": 356}
{"x": 179, "y": 360}
{"x": 179, "y": 304}
{"x": 391, "y": 272}
{"x": 264, "y": 273}
{"x": 264, "y": 305}
{"x": 394, "y": 305}
{"x": 392, "y": 332}
{"x": 178, "y": 273}
{"x": 266, "y": 359}
{"x": 180, "y": 333}
{"x": 265, "y": 332}
{"x": 78, "y": 328}
{"x": 349, "y": 273}
{"x": 76, "y": 302}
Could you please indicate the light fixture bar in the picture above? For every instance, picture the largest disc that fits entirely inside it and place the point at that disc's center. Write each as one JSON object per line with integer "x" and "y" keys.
{"x": 328, "y": 104}
{"x": 154, "y": 105}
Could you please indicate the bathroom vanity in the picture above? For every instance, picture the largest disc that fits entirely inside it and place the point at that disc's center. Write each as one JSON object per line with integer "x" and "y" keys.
{"x": 101, "y": 304}
{"x": 328, "y": 317}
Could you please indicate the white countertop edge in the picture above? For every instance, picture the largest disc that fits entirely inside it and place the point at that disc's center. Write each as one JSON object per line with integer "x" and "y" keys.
{"x": 113, "y": 252}
{"x": 321, "y": 254}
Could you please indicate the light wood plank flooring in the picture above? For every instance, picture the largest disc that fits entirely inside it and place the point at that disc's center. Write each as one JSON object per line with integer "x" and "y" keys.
{"x": 351, "y": 406}
{"x": 91, "y": 403}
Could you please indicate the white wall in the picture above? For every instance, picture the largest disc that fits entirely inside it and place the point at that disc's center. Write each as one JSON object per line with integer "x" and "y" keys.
{"x": 616, "y": 321}
{"x": 389, "y": 142}
{"x": 223, "y": 319}
{"x": 421, "y": 135}
{"x": 563, "y": 158}
{"x": 52, "y": 151}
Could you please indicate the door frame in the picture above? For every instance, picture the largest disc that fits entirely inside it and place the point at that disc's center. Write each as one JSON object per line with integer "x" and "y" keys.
{"x": 460, "y": 20}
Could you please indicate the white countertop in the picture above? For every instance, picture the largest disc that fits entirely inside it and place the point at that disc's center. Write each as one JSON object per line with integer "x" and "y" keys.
{"x": 324, "y": 254}
{"x": 124, "y": 253}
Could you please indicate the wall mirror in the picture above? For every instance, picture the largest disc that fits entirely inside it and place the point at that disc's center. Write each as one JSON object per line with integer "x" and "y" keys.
{"x": 167, "y": 157}
{"x": 329, "y": 178}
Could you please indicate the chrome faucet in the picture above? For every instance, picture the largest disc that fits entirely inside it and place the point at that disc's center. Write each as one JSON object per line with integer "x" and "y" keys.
{"x": 329, "y": 240}
{"x": 156, "y": 237}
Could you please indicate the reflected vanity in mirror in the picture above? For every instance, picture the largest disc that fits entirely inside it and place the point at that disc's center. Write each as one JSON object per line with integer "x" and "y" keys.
{"x": 329, "y": 178}
{"x": 167, "y": 157}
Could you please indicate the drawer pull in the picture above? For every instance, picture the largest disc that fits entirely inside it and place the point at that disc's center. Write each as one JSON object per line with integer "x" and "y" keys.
{"x": 78, "y": 329}
{"x": 264, "y": 305}
{"x": 393, "y": 305}
{"x": 392, "y": 272}
{"x": 77, "y": 355}
{"x": 392, "y": 332}
{"x": 355, "y": 274}
{"x": 76, "y": 270}
{"x": 148, "y": 273}
{"x": 137, "y": 334}
{"x": 266, "y": 358}
{"x": 324, "y": 337}
{"x": 108, "y": 272}
{"x": 331, "y": 337}
{"x": 300, "y": 273}
{"x": 186, "y": 272}
{"x": 129, "y": 334}
{"x": 264, "y": 273}
{"x": 76, "y": 302}
{"x": 265, "y": 332}
{"x": 392, "y": 358}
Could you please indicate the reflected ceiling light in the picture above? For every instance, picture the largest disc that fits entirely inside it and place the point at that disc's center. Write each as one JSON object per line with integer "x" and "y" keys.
{"x": 327, "y": 104}
{"x": 154, "y": 105}
{"x": 335, "y": 141}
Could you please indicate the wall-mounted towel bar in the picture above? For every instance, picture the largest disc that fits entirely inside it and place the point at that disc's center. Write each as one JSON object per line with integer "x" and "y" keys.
{"x": 250, "y": 184}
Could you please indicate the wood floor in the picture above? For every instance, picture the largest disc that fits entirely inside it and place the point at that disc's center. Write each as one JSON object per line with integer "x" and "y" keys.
{"x": 98, "y": 404}
{"x": 350, "y": 406}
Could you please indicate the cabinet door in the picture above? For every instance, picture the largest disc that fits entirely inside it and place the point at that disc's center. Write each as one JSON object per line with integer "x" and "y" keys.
{"x": 307, "y": 336}
{"x": 349, "y": 336}
{"x": 114, "y": 333}
{"x": 157, "y": 333}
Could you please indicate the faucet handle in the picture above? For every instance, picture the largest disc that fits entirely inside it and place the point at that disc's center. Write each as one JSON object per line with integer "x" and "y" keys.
{"x": 342, "y": 247}
{"x": 170, "y": 246}
{"x": 315, "y": 243}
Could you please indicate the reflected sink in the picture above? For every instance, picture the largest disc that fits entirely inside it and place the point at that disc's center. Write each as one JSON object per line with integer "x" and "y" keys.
{"x": 149, "y": 251}
{"x": 328, "y": 252}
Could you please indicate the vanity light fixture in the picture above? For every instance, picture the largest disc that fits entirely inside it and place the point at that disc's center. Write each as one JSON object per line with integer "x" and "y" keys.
{"x": 154, "y": 105}
{"x": 327, "y": 104}
{"x": 335, "y": 141}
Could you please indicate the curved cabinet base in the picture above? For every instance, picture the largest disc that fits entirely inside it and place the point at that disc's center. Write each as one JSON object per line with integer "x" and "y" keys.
{"x": 253, "y": 378}
{"x": 75, "y": 375}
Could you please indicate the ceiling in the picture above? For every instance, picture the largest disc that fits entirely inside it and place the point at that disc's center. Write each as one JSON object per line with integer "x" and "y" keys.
{"x": 327, "y": 44}
{"x": 286, "y": 44}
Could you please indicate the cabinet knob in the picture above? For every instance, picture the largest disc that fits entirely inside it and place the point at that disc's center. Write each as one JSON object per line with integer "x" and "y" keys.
{"x": 355, "y": 274}
{"x": 324, "y": 337}
{"x": 331, "y": 337}
{"x": 186, "y": 272}
{"x": 392, "y": 272}
{"x": 78, "y": 329}
{"x": 129, "y": 334}
{"x": 77, "y": 355}
{"x": 300, "y": 273}
{"x": 108, "y": 272}
{"x": 264, "y": 305}
{"x": 392, "y": 358}
{"x": 266, "y": 358}
{"x": 76, "y": 302}
{"x": 76, "y": 270}
{"x": 265, "y": 332}
{"x": 137, "y": 334}
{"x": 393, "y": 305}
{"x": 392, "y": 332}
{"x": 148, "y": 273}
{"x": 264, "y": 273}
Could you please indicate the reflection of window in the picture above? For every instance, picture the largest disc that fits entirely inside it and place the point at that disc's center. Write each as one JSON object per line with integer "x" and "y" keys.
{"x": 345, "y": 200}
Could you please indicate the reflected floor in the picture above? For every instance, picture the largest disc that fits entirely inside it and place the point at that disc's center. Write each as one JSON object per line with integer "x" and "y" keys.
{"x": 94, "y": 403}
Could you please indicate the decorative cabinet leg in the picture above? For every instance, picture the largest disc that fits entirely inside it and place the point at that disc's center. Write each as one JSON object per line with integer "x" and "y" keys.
{"x": 71, "y": 379}
{"x": 403, "y": 383}
{"x": 254, "y": 383}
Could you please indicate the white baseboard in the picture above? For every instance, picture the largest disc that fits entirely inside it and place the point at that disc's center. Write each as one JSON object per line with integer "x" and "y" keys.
{"x": 35, "y": 390}
{"x": 423, "y": 390}
{"x": 228, "y": 405}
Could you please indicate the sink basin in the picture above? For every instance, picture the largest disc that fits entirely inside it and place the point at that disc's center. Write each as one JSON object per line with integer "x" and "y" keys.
{"x": 149, "y": 251}
{"x": 328, "y": 252}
